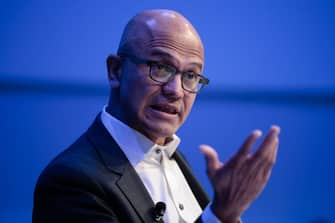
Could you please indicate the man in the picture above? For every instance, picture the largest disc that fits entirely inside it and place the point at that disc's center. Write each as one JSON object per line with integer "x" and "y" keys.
{"x": 126, "y": 168}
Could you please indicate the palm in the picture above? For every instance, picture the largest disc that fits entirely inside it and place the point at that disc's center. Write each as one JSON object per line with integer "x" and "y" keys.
{"x": 239, "y": 181}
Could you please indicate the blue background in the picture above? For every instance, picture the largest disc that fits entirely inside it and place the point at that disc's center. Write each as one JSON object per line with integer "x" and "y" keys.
{"x": 270, "y": 62}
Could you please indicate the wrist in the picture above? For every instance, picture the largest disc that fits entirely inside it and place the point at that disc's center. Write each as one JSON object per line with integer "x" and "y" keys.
{"x": 224, "y": 214}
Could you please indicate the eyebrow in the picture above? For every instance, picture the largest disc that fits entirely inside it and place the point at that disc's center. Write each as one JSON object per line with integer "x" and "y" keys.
{"x": 158, "y": 52}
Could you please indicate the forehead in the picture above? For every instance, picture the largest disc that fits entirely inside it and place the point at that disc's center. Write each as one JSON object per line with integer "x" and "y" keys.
{"x": 178, "y": 44}
{"x": 183, "y": 43}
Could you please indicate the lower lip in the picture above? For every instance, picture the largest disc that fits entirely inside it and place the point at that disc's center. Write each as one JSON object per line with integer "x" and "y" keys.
{"x": 163, "y": 115}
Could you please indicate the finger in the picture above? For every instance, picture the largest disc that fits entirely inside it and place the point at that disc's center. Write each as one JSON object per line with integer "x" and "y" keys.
{"x": 271, "y": 160}
{"x": 265, "y": 165}
{"x": 268, "y": 143}
{"x": 212, "y": 159}
{"x": 269, "y": 165}
{"x": 275, "y": 150}
{"x": 246, "y": 146}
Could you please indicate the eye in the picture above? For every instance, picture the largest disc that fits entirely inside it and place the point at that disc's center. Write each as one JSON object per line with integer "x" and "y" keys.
{"x": 160, "y": 66}
{"x": 165, "y": 69}
{"x": 190, "y": 76}
{"x": 160, "y": 72}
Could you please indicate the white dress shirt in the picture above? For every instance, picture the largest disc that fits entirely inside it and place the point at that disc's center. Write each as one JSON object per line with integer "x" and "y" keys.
{"x": 161, "y": 175}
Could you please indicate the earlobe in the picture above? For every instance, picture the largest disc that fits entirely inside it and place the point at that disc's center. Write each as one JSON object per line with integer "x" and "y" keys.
{"x": 114, "y": 70}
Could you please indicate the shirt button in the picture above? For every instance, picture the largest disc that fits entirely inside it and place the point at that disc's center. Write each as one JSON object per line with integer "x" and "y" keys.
{"x": 181, "y": 206}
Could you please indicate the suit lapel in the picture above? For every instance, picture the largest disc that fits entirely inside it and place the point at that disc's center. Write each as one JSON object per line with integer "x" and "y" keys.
{"x": 114, "y": 159}
{"x": 196, "y": 188}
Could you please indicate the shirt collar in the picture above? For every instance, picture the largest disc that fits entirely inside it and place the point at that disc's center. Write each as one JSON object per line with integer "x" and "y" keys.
{"x": 135, "y": 145}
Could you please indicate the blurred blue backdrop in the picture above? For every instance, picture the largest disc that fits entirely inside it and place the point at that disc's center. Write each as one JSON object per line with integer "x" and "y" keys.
{"x": 270, "y": 62}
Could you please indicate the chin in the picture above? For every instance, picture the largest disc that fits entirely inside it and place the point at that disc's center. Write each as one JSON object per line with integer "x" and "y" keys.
{"x": 157, "y": 131}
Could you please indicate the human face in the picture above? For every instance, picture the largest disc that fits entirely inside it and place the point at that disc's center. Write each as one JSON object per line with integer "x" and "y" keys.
{"x": 154, "y": 109}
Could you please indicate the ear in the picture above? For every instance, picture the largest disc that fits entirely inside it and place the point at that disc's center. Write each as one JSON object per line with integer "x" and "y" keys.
{"x": 114, "y": 70}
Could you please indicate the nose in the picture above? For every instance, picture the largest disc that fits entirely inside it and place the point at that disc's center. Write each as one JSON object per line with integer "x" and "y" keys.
{"x": 173, "y": 89}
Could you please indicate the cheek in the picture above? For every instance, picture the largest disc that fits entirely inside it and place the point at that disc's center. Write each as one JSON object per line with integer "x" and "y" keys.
{"x": 136, "y": 95}
{"x": 188, "y": 104}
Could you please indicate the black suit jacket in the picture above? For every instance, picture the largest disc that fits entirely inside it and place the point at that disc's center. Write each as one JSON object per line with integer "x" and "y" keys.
{"x": 93, "y": 181}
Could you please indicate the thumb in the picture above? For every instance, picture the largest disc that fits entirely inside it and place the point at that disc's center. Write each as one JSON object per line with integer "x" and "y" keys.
{"x": 212, "y": 159}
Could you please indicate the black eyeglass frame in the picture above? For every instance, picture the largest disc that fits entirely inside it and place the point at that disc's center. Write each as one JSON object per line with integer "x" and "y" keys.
{"x": 202, "y": 79}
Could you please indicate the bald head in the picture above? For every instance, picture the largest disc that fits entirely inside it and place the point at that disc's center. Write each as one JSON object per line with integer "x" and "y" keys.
{"x": 154, "y": 26}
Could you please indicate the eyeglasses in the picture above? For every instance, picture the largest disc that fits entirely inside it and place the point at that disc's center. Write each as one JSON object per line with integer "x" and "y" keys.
{"x": 163, "y": 73}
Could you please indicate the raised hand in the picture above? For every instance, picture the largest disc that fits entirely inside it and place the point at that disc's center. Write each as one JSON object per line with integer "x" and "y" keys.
{"x": 239, "y": 181}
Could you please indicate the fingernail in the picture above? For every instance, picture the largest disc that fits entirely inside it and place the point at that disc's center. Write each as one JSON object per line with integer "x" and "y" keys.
{"x": 275, "y": 128}
{"x": 257, "y": 133}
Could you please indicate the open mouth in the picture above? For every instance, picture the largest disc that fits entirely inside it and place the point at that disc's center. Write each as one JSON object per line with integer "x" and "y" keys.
{"x": 165, "y": 108}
